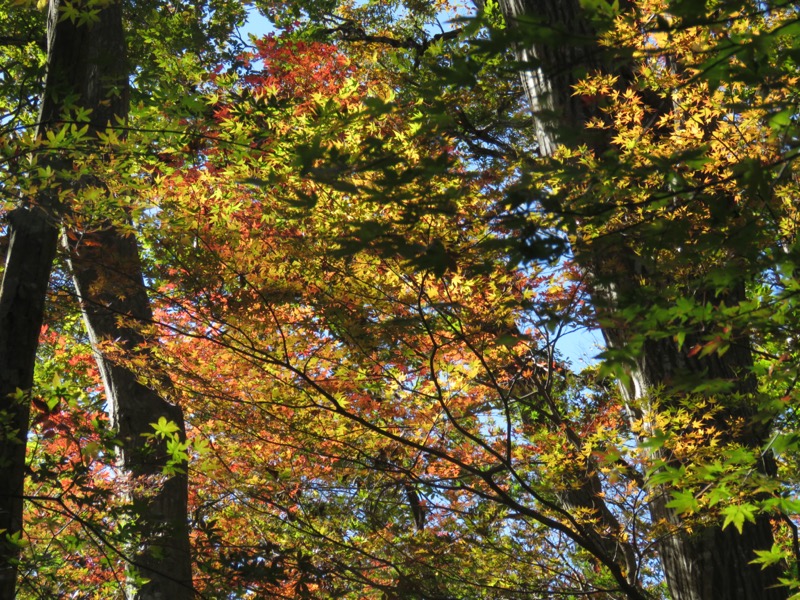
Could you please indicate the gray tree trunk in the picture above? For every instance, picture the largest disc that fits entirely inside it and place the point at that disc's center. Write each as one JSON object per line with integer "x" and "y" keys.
{"x": 108, "y": 276}
{"x": 86, "y": 65}
{"x": 709, "y": 564}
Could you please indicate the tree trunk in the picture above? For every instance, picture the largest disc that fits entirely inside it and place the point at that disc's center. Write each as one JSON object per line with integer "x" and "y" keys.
{"x": 30, "y": 258}
{"x": 86, "y": 68}
{"x": 72, "y": 66}
{"x": 709, "y": 563}
{"x": 108, "y": 276}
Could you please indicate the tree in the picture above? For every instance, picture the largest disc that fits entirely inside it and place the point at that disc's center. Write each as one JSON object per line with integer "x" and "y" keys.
{"x": 332, "y": 227}
{"x": 694, "y": 563}
{"x": 384, "y": 377}
{"x": 86, "y": 92}
{"x": 689, "y": 362}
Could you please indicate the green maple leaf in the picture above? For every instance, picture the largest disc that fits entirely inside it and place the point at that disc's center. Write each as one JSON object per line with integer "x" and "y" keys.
{"x": 683, "y": 502}
{"x": 738, "y": 514}
{"x": 165, "y": 428}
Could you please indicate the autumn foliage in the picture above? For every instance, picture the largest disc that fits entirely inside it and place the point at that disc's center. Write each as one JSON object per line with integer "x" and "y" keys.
{"x": 364, "y": 277}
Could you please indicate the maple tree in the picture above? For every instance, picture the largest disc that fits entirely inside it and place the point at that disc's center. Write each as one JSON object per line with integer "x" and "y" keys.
{"x": 361, "y": 259}
{"x": 663, "y": 367}
{"x": 703, "y": 123}
{"x": 383, "y": 367}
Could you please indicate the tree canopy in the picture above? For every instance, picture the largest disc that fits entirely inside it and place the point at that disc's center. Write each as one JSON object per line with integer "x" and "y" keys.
{"x": 308, "y": 296}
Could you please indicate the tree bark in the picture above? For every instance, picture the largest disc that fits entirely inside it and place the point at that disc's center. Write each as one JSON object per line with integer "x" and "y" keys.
{"x": 709, "y": 563}
{"x": 87, "y": 68}
{"x": 22, "y": 296}
{"x": 108, "y": 276}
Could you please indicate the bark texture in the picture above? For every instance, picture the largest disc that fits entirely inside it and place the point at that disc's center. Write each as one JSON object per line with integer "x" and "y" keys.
{"x": 22, "y": 296}
{"x": 87, "y": 68}
{"x": 709, "y": 564}
{"x": 108, "y": 276}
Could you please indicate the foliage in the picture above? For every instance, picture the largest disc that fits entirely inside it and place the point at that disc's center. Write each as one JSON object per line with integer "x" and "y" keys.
{"x": 335, "y": 370}
{"x": 361, "y": 276}
{"x": 71, "y": 545}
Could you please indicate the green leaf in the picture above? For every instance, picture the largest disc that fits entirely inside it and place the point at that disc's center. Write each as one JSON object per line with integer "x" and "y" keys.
{"x": 719, "y": 494}
{"x": 655, "y": 441}
{"x": 178, "y": 450}
{"x": 782, "y": 119}
{"x": 683, "y": 502}
{"x": 680, "y": 337}
{"x": 784, "y": 441}
{"x": 16, "y": 539}
{"x": 738, "y": 514}
{"x": 165, "y": 428}
{"x": 769, "y": 557}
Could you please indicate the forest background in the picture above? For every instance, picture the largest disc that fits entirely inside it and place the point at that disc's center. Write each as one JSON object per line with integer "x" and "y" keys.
{"x": 282, "y": 316}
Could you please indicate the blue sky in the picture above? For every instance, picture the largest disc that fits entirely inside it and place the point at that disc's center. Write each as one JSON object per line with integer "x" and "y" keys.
{"x": 257, "y": 24}
{"x": 579, "y": 346}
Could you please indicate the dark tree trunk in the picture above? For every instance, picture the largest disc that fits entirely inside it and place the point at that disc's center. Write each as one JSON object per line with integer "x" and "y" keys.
{"x": 708, "y": 564}
{"x": 108, "y": 276}
{"x": 72, "y": 67}
{"x": 30, "y": 257}
{"x": 87, "y": 66}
